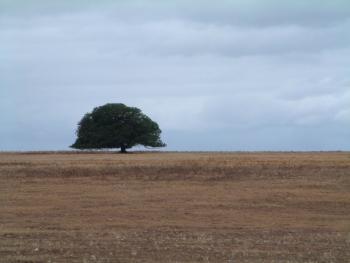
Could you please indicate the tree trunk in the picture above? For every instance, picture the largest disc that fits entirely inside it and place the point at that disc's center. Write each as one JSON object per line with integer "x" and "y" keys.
{"x": 123, "y": 148}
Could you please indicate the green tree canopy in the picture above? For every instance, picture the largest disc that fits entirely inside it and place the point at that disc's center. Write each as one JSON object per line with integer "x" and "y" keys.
{"x": 116, "y": 125}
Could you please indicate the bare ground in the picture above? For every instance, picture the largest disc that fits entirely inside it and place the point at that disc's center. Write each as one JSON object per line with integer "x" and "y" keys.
{"x": 175, "y": 207}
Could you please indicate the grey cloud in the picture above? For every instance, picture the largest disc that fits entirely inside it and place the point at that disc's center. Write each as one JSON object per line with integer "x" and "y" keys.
{"x": 241, "y": 13}
{"x": 230, "y": 76}
{"x": 105, "y": 36}
{"x": 264, "y": 109}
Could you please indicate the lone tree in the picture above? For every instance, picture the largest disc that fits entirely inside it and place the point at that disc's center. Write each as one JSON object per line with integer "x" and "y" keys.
{"x": 116, "y": 125}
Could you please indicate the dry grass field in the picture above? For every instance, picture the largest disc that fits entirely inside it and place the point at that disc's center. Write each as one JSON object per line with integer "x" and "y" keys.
{"x": 175, "y": 207}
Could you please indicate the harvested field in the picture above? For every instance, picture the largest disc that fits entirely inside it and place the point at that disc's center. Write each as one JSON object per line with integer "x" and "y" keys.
{"x": 175, "y": 207}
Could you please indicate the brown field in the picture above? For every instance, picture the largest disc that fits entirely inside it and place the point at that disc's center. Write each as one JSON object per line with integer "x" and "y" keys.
{"x": 175, "y": 207}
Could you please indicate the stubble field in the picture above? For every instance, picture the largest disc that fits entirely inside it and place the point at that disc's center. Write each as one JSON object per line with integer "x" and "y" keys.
{"x": 175, "y": 207}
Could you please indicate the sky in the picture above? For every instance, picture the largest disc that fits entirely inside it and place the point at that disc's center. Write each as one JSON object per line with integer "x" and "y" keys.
{"x": 240, "y": 75}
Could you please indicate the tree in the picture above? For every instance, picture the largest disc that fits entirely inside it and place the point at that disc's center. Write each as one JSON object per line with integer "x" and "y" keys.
{"x": 116, "y": 125}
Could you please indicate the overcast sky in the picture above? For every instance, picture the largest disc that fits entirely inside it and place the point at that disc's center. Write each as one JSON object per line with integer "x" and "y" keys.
{"x": 215, "y": 75}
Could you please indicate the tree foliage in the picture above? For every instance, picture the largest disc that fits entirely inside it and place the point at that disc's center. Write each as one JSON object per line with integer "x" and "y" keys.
{"x": 116, "y": 125}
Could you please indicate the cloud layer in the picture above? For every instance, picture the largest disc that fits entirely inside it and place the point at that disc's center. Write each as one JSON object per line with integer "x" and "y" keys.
{"x": 237, "y": 75}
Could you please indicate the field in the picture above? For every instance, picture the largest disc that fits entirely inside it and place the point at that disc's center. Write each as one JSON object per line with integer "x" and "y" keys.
{"x": 175, "y": 207}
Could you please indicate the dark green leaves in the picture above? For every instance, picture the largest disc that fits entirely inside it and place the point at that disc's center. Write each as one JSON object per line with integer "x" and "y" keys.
{"x": 116, "y": 125}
